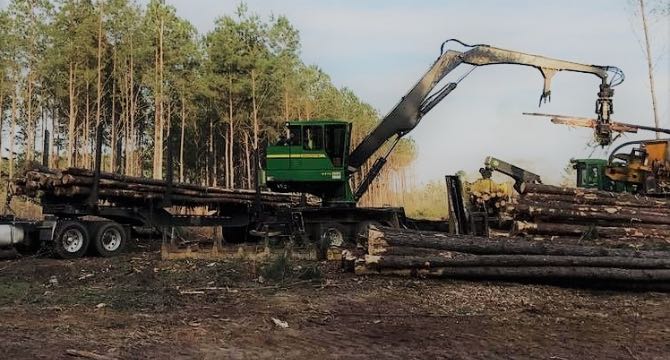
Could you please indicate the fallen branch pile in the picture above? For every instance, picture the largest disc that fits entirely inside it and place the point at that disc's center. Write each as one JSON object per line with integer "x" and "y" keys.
{"x": 76, "y": 183}
{"x": 440, "y": 255}
{"x": 546, "y": 211}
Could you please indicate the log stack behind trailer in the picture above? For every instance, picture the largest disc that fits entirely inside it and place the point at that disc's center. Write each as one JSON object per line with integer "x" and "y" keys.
{"x": 404, "y": 252}
{"x": 74, "y": 183}
{"x": 546, "y": 212}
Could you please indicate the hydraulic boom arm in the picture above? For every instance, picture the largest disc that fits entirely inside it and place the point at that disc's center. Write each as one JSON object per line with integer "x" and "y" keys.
{"x": 519, "y": 175}
{"x": 418, "y": 101}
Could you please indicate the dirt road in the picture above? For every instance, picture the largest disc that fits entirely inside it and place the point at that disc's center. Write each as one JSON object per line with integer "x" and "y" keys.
{"x": 139, "y": 307}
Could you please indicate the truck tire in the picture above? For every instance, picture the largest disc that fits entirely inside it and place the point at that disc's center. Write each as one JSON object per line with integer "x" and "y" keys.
{"x": 330, "y": 234}
{"x": 333, "y": 234}
{"x": 71, "y": 239}
{"x": 109, "y": 239}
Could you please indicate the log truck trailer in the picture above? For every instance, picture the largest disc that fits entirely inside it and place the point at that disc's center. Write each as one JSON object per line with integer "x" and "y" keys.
{"x": 314, "y": 158}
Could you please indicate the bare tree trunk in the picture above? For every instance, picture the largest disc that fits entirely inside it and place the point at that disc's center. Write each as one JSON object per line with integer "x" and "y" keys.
{"x": 85, "y": 138}
{"x": 72, "y": 116}
{"x": 181, "y": 139}
{"x": 125, "y": 111}
{"x": 207, "y": 177}
{"x": 650, "y": 66}
{"x": 98, "y": 105}
{"x": 138, "y": 166}
{"x": 226, "y": 175}
{"x": 254, "y": 107}
{"x": 2, "y": 113}
{"x": 167, "y": 129}
{"x": 286, "y": 107}
{"x": 210, "y": 154}
{"x": 215, "y": 167}
{"x": 248, "y": 159}
{"x": 231, "y": 137}
{"x": 132, "y": 144}
{"x": 12, "y": 135}
{"x": 158, "y": 130}
{"x": 53, "y": 135}
{"x": 157, "y": 123}
{"x": 43, "y": 145}
{"x": 30, "y": 124}
{"x": 114, "y": 135}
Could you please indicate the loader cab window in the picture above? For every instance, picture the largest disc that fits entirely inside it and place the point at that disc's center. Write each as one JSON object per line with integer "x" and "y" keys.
{"x": 335, "y": 142}
{"x": 588, "y": 175}
{"x": 312, "y": 137}
{"x": 291, "y": 136}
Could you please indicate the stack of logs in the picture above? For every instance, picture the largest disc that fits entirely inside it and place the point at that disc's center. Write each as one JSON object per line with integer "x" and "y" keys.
{"x": 433, "y": 254}
{"x": 75, "y": 183}
{"x": 495, "y": 199}
{"x": 488, "y": 194}
{"x": 544, "y": 212}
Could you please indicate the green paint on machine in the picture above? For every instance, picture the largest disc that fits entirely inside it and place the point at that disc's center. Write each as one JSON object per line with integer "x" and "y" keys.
{"x": 311, "y": 157}
{"x": 591, "y": 174}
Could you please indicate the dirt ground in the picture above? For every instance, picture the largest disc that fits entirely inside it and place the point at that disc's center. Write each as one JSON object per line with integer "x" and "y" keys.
{"x": 140, "y": 307}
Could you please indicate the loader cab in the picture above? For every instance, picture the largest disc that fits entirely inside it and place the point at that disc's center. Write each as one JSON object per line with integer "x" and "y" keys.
{"x": 592, "y": 174}
{"x": 311, "y": 157}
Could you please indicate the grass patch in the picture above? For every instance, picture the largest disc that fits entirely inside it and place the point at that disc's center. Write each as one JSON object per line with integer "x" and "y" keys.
{"x": 312, "y": 272}
{"x": 281, "y": 269}
{"x": 15, "y": 291}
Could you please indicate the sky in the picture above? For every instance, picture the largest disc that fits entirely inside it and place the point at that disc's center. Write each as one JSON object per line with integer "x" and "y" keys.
{"x": 380, "y": 48}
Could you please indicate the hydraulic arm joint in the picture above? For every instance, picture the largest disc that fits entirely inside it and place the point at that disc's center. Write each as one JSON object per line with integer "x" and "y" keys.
{"x": 604, "y": 110}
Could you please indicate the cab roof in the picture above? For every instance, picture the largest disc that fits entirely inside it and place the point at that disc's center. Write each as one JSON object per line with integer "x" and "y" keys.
{"x": 317, "y": 122}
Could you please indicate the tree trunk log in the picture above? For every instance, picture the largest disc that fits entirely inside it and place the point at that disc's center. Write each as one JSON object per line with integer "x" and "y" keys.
{"x": 380, "y": 238}
{"x": 609, "y": 209}
{"x": 531, "y": 272}
{"x": 579, "y": 230}
{"x": 435, "y": 261}
{"x": 591, "y": 199}
{"x": 75, "y": 182}
{"x": 538, "y": 212}
{"x": 589, "y": 193}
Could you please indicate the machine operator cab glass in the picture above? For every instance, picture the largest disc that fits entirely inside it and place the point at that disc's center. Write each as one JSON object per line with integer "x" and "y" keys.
{"x": 589, "y": 173}
{"x": 290, "y": 136}
{"x": 309, "y": 150}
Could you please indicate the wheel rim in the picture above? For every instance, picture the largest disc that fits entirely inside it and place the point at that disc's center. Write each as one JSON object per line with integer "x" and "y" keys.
{"x": 333, "y": 237}
{"x": 73, "y": 240}
{"x": 111, "y": 239}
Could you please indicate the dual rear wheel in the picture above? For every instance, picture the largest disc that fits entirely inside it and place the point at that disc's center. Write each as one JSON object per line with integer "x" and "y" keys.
{"x": 72, "y": 238}
{"x": 339, "y": 235}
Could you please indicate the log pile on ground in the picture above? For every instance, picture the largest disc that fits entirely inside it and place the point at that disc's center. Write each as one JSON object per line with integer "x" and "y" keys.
{"x": 494, "y": 199}
{"x": 544, "y": 212}
{"x": 488, "y": 194}
{"x": 440, "y": 255}
{"x": 76, "y": 183}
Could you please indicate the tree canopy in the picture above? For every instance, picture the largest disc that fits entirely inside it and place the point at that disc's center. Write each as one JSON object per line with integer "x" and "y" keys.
{"x": 147, "y": 79}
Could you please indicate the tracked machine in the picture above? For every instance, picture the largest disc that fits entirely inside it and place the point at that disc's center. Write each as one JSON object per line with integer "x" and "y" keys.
{"x": 644, "y": 169}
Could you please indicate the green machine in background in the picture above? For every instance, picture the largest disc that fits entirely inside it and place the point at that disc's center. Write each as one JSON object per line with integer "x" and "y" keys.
{"x": 310, "y": 157}
{"x": 591, "y": 174}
